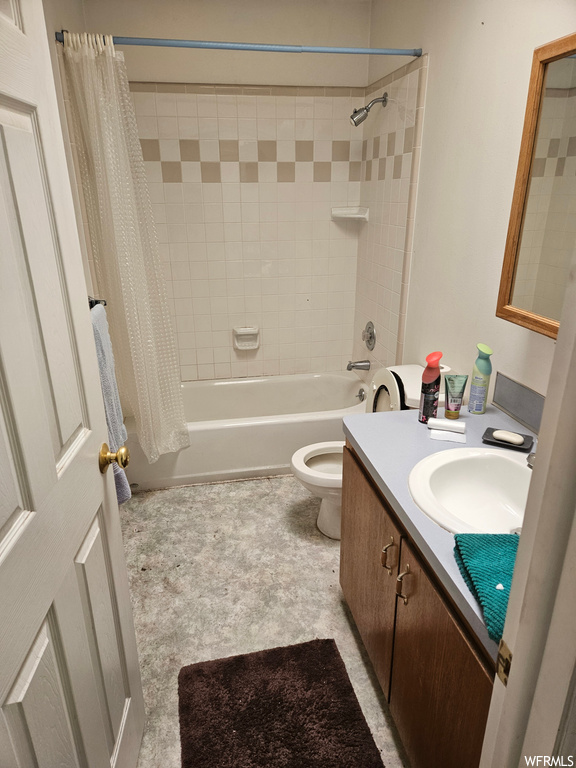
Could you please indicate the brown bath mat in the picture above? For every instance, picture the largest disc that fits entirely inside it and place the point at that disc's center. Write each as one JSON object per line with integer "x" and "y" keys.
{"x": 291, "y": 707}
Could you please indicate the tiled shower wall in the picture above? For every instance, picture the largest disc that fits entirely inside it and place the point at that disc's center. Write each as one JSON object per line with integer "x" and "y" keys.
{"x": 391, "y": 157}
{"x": 242, "y": 182}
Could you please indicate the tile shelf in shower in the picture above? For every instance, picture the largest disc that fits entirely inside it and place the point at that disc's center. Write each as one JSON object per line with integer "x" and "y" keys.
{"x": 358, "y": 213}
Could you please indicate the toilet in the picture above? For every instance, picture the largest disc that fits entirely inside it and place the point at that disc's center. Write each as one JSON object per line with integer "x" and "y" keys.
{"x": 319, "y": 466}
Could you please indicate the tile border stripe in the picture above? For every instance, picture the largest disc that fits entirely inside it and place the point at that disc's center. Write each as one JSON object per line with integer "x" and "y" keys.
{"x": 225, "y": 89}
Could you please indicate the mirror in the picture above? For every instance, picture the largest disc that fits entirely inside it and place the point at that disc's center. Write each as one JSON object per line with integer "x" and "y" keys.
{"x": 541, "y": 237}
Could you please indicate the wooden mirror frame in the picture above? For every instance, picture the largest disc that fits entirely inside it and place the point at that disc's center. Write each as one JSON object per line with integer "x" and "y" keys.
{"x": 557, "y": 49}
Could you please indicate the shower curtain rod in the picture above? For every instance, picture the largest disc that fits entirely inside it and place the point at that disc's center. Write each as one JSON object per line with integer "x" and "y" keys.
{"x": 161, "y": 43}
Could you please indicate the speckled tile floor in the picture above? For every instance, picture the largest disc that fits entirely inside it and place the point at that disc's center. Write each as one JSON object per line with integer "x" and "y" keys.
{"x": 217, "y": 570}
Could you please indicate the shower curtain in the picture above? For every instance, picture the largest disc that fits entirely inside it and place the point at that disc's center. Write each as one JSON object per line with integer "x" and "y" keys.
{"x": 123, "y": 241}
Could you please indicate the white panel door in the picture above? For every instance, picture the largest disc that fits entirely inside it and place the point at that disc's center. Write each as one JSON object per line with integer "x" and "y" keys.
{"x": 70, "y": 691}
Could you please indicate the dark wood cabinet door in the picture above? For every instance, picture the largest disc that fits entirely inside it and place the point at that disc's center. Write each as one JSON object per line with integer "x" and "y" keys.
{"x": 367, "y": 575}
{"x": 440, "y": 691}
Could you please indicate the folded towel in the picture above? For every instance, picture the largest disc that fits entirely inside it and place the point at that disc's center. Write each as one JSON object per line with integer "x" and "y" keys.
{"x": 123, "y": 491}
{"x": 486, "y": 562}
{"x": 117, "y": 434}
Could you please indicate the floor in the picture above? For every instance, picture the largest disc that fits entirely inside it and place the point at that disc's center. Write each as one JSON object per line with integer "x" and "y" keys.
{"x": 221, "y": 569}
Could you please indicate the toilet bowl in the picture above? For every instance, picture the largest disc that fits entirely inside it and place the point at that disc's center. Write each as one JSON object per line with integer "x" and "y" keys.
{"x": 319, "y": 466}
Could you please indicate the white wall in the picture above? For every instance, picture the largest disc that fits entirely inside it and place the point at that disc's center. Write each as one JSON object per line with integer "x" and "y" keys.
{"x": 297, "y": 22}
{"x": 63, "y": 14}
{"x": 479, "y": 65}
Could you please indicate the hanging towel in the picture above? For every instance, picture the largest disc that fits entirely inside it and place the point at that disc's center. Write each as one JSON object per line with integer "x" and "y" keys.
{"x": 114, "y": 419}
{"x": 486, "y": 562}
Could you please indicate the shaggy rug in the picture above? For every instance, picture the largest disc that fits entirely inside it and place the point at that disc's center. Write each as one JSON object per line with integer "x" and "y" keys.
{"x": 291, "y": 707}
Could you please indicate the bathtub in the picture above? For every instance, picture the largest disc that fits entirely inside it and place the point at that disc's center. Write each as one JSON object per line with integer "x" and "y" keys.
{"x": 249, "y": 427}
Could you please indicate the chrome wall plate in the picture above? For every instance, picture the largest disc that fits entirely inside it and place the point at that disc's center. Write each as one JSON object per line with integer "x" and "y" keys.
{"x": 369, "y": 335}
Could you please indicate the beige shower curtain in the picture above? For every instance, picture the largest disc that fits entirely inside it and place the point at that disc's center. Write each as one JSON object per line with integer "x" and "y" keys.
{"x": 123, "y": 241}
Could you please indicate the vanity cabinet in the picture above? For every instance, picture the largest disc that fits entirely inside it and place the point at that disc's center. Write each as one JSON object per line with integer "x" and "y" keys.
{"x": 369, "y": 551}
{"x": 436, "y": 682}
{"x": 440, "y": 691}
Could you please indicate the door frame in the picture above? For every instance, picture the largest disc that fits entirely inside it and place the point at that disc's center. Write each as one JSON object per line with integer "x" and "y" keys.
{"x": 527, "y": 716}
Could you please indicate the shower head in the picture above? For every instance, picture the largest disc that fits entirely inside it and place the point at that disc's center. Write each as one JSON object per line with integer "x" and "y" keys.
{"x": 359, "y": 115}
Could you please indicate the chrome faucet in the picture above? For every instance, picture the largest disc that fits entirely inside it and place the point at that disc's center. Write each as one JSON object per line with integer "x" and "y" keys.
{"x": 530, "y": 459}
{"x": 360, "y": 365}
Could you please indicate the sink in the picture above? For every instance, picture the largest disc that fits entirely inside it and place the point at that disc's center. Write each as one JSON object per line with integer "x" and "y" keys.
{"x": 472, "y": 490}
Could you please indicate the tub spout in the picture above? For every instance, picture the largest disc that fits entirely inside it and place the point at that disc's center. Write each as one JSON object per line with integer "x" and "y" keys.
{"x": 360, "y": 365}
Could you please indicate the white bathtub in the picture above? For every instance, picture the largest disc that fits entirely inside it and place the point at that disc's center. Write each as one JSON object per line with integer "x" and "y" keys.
{"x": 249, "y": 427}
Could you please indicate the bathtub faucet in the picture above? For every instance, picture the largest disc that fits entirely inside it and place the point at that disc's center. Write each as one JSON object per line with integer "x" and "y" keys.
{"x": 360, "y": 365}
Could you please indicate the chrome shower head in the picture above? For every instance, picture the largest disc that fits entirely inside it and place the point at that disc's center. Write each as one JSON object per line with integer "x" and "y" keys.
{"x": 359, "y": 115}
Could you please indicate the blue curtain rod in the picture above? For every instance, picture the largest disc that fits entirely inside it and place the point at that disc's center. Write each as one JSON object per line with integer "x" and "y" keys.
{"x": 159, "y": 42}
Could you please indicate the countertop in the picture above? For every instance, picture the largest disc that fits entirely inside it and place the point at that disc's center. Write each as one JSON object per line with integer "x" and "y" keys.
{"x": 389, "y": 445}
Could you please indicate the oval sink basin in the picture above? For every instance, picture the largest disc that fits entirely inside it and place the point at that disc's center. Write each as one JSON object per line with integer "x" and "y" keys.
{"x": 472, "y": 490}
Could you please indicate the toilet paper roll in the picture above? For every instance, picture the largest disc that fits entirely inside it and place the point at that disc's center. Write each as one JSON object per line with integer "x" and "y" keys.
{"x": 448, "y": 425}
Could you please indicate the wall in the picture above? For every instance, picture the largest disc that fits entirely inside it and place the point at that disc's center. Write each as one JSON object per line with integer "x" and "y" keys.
{"x": 297, "y": 22}
{"x": 390, "y": 166}
{"x": 242, "y": 182}
{"x": 238, "y": 251}
{"x": 479, "y": 65}
{"x": 63, "y": 14}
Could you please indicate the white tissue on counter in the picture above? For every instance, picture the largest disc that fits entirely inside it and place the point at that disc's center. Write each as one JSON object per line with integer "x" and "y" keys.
{"x": 451, "y": 437}
{"x": 448, "y": 425}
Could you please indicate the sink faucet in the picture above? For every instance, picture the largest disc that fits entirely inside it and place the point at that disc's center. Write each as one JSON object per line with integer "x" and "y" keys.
{"x": 530, "y": 459}
{"x": 360, "y": 365}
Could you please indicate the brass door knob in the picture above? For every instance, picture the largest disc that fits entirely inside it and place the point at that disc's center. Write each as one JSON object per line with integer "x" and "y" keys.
{"x": 121, "y": 457}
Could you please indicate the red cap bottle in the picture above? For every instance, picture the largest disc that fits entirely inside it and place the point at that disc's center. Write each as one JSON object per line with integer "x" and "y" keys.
{"x": 430, "y": 388}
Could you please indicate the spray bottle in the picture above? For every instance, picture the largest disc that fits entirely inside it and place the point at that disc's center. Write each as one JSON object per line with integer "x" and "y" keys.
{"x": 480, "y": 380}
{"x": 430, "y": 388}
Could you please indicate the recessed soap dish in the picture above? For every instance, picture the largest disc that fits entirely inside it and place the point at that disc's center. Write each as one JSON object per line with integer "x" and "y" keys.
{"x": 246, "y": 338}
{"x": 350, "y": 212}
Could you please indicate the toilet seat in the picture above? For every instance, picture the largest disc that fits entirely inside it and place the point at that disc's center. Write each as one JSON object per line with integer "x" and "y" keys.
{"x": 386, "y": 392}
{"x": 326, "y": 485}
{"x": 302, "y": 456}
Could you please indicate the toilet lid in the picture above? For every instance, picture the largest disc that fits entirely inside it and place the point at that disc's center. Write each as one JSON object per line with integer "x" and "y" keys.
{"x": 384, "y": 394}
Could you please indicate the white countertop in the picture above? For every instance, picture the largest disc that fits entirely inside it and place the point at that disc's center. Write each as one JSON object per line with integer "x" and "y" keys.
{"x": 389, "y": 445}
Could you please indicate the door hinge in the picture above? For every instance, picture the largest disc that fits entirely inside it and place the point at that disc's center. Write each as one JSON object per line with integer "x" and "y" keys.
{"x": 504, "y": 662}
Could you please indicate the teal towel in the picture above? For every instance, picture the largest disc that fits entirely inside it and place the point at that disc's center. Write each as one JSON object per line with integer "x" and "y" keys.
{"x": 486, "y": 561}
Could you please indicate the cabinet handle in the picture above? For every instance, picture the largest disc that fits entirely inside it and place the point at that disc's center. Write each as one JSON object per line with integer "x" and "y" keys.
{"x": 384, "y": 556}
{"x": 399, "y": 584}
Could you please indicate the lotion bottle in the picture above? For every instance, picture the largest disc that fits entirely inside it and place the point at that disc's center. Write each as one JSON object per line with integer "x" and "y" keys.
{"x": 480, "y": 380}
{"x": 430, "y": 388}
